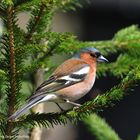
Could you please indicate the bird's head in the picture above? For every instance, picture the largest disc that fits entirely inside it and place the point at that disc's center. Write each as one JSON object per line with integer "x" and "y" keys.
{"x": 92, "y": 54}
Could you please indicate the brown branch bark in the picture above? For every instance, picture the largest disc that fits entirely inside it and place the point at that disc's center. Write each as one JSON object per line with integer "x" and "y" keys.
{"x": 12, "y": 64}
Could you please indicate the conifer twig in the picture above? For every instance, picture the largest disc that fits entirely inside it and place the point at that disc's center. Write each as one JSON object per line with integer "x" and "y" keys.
{"x": 12, "y": 65}
{"x": 36, "y": 21}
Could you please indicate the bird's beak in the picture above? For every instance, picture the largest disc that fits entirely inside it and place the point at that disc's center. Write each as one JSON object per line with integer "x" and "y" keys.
{"x": 102, "y": 59}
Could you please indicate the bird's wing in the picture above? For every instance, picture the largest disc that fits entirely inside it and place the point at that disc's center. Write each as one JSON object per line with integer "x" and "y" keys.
{"x": 70, "y": 72}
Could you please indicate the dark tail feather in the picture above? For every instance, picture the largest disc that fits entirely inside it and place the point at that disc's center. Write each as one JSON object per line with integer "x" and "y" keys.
{"x": 25, "y": 108}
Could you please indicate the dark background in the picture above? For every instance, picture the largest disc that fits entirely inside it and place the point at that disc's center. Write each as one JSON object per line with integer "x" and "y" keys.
{"x": 100, "y": 20}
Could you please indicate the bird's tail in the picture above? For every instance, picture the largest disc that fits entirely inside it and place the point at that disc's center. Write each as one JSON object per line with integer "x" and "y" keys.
{"x": 25, "y": 108}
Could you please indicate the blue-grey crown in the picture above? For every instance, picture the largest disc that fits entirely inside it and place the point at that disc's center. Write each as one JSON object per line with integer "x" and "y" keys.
{"x": 88, "y": 49}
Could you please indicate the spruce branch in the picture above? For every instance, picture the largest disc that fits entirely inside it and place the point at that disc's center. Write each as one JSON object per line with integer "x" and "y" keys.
{"x": 99, "y": 128}
{"x": 127, "y": 63}
{"x": 36, "y": 21}
{"x": 12, "y": 72}
{"x": 124, "y": 40}
{"x": 95, "y": 105}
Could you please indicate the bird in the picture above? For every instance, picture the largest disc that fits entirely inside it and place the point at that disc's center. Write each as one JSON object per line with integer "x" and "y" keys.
{"x": 73, "y": 79}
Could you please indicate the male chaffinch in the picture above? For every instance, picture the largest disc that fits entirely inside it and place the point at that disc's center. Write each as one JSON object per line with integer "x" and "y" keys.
{"x": 69, "y": 82}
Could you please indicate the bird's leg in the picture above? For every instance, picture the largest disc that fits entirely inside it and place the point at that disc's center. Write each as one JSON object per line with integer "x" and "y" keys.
{"x": 72, "y": 103}
{"x": 60, "y": 107}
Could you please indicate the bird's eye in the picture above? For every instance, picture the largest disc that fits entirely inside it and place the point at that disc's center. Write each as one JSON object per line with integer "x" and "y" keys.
{"x": 97, "y": 54}
{"x": 92, "y": 55}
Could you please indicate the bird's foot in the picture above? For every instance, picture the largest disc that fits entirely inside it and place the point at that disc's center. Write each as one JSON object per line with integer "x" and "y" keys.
{"x": 73, "y": 103}
{"x": 61, "y": 109}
